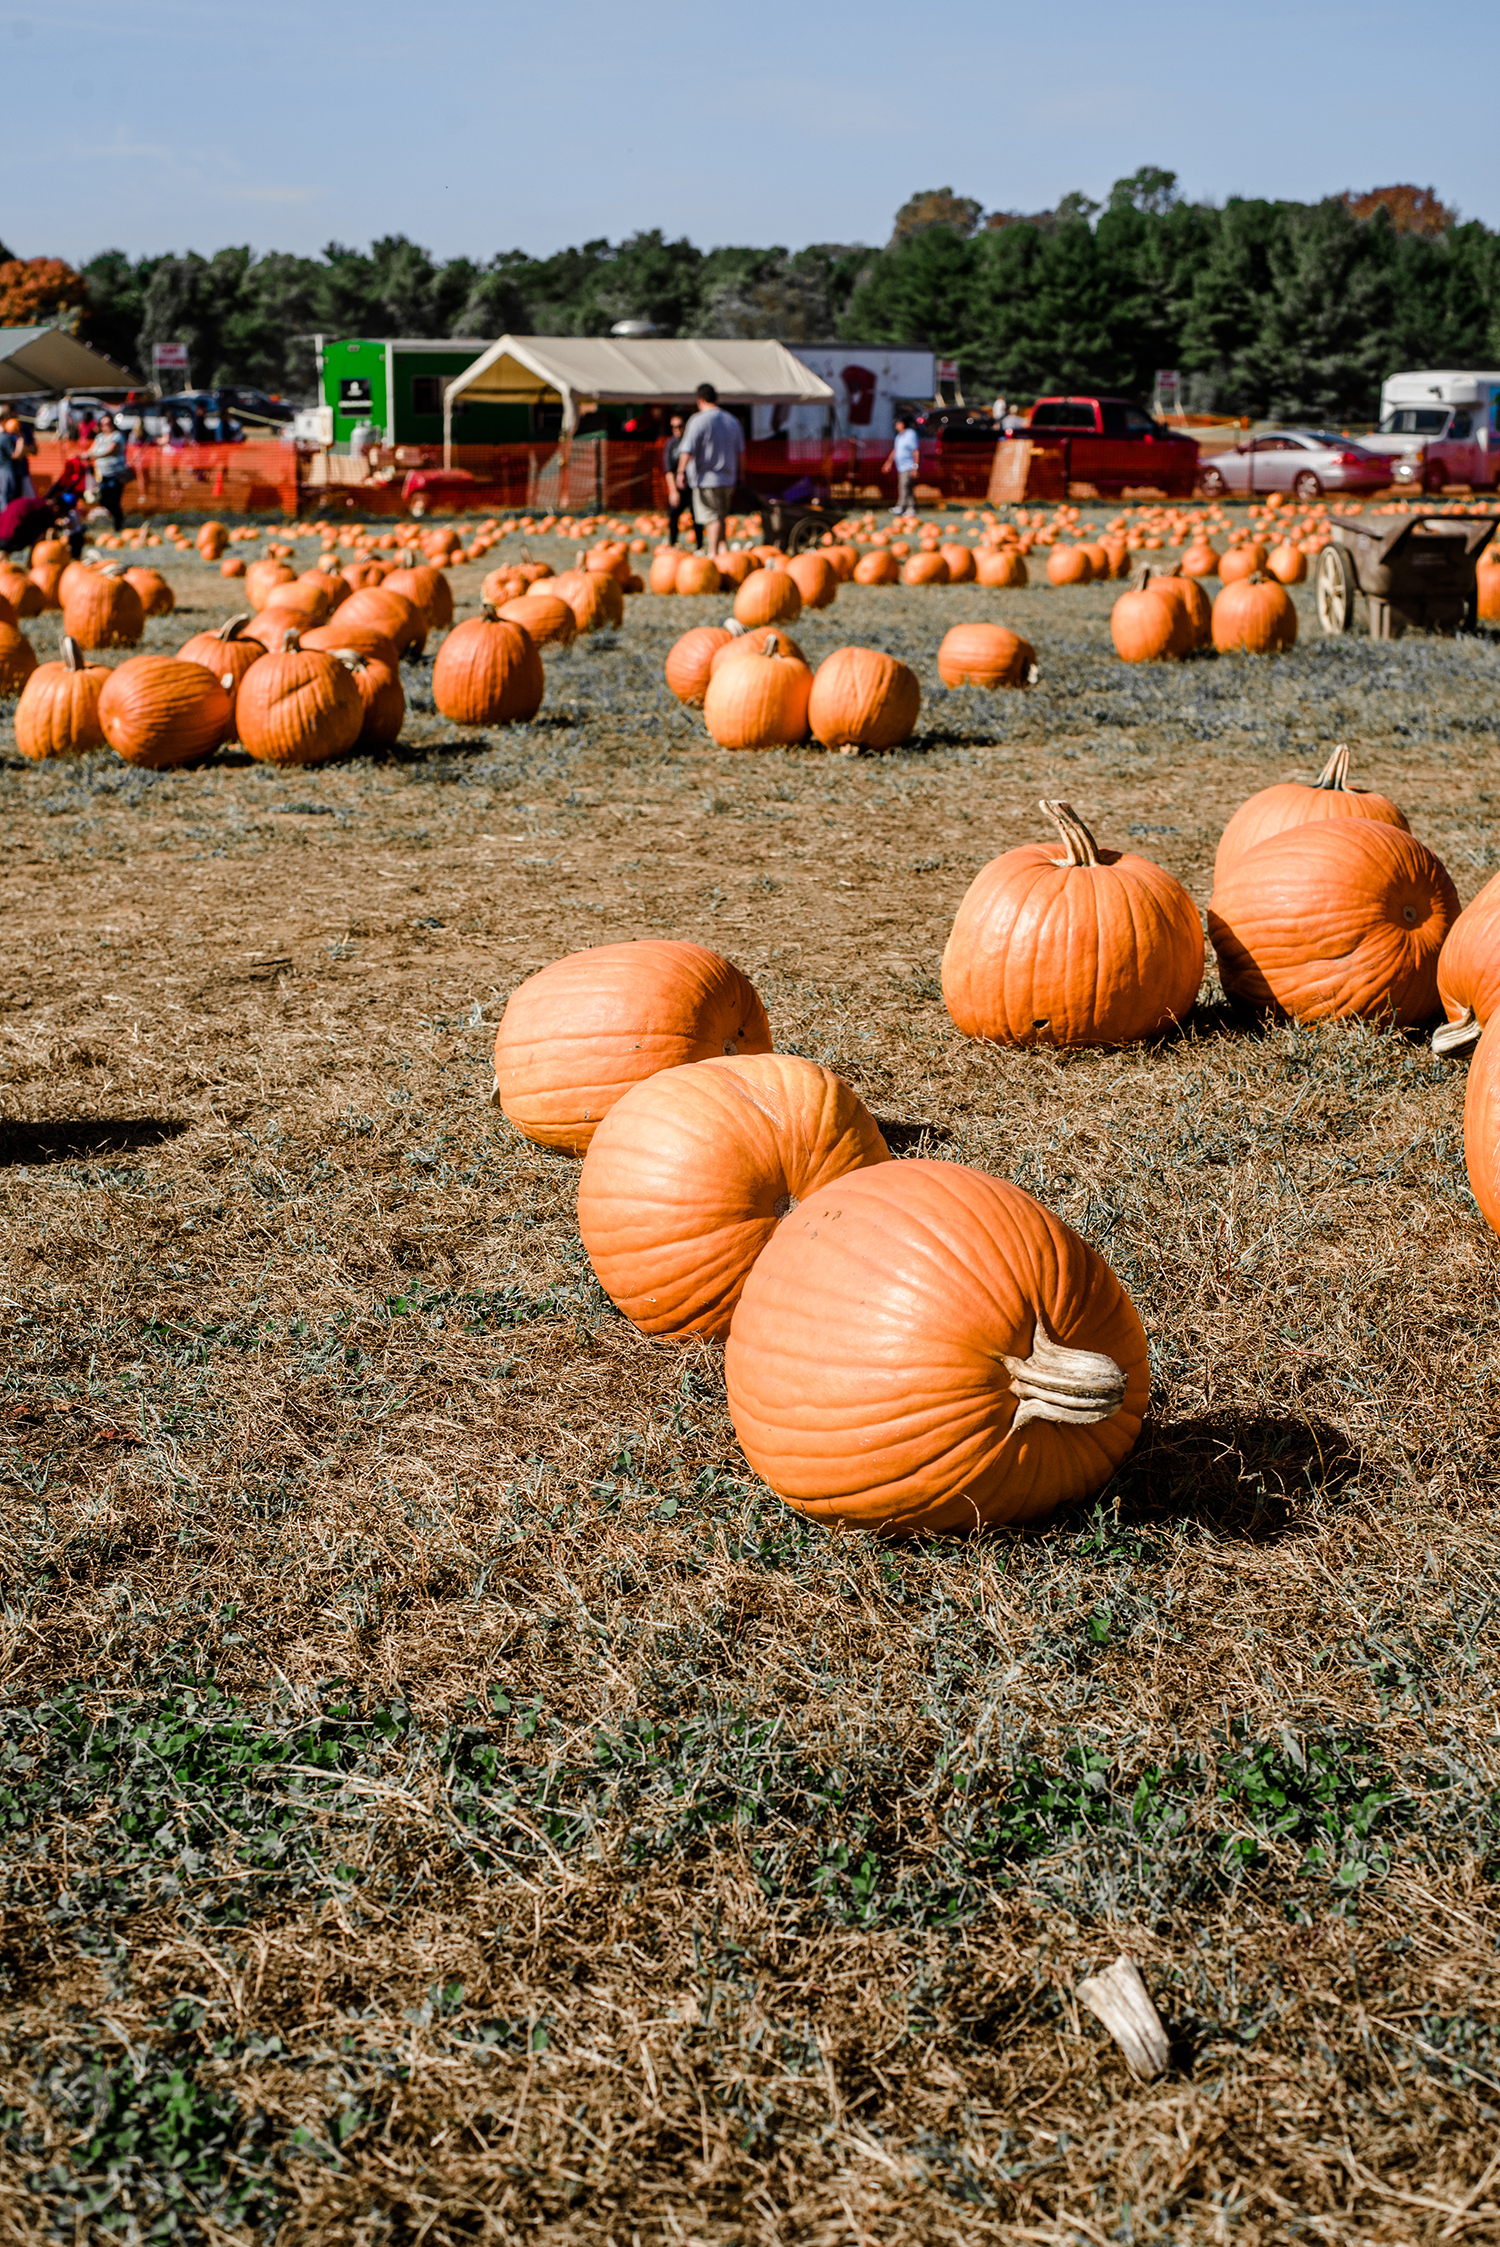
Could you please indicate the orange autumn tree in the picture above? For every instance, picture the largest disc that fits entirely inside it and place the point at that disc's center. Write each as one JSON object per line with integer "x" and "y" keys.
{"x": 38, "y": 292}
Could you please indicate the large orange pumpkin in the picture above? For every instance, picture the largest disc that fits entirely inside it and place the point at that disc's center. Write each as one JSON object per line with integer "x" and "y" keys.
{"x": 1482, "y": 1126}
{"x": 1468, "y": 967}
{"x": 1287, "y": 563}
{"x": 595, "y": 597}
{"x": 862, "y": 699}
{"x": 157, "y": 597}
{"x": 758, "y": 701}
{"x": 878, "y": 568}
{"x": 1336, "y": 917}
{"x": 1293, "y": 803}
{"x": 401, "y": 621}
{"x": 1241, "y": 562}
{"x": 21, "y": 591}
{"x": 925, "y": 569}
{"x": 842, "y": 560}
{"x": 1201, "y": 559}
{"x": 18, "y": 659}
{"x": 815, "y": 579}
{"x": 1097, "y": 947}
{"x": 298, "y": 706}
{"x": 490, "y": 673}
{"x": 58, "y": 713}
{"x": 262, "y": 577}
{"x": 922, "y": 1348}
{"x": 1069, "y": 565}
{"x": 158, "y": 711}
{"x": 1000, "y": 565}
{"x": 1255, "y": 615}
{"x": 960, "y": 561}
{"x": 1192, "y": 605}
{"x": 735, "y": 568}
{"x": 228, "y": 653}
{"x": 578, "y": 1034}
{"x": 1147, "y": 629}
{"x": 1487, "y": 581}
{"x": 662, "y": 575}
{"x": 741, "y": 643}
{"x": 550, "y": 622}
{"x": 382, "y": 697}
{"x": 769, "y": 596}
{"x": 101, "y": 610}
{"x": 428, "y": 588}
{"x": 688, "y": 660}
{"x": 698, "y": 573}
{"x": 691, "y": 1171}
{"x": 986, "y": 655}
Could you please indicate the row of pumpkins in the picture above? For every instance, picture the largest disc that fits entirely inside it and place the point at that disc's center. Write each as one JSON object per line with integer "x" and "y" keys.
{"x": 917, "y": 1346}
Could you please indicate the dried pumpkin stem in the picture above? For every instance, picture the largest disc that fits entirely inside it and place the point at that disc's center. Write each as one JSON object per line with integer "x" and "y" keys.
{"x": 1335, "y": 773}
{"x": 1073, "y": 1387}
{"x": 1451, "y": 1038}
{"x": 1081, "y": 847}
{"x": 233, "y": 629}
{"x": 1119, "y": 1998}
{"x": 72, "y": 654}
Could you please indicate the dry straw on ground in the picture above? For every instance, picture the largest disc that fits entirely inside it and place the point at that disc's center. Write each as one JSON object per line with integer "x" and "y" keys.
{"x": 446, "y": 1798}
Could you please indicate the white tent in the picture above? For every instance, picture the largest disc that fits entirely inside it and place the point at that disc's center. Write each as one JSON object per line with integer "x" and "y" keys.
{"x": 581, "y": 372}
{"x": 50, "y": 359}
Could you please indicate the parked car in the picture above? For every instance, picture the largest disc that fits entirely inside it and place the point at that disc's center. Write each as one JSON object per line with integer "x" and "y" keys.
{"x": 954, "y": 425}
{"x": 1111, "y": 443}
{"x": 1307, "y": 462}
{"x": 1438, "y": 427}
{"x": 249, "y": 410}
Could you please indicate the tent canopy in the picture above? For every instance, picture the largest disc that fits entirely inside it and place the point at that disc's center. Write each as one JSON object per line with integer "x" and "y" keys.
{"x": 582, "y": 372}
{"x": 50, "y": 359}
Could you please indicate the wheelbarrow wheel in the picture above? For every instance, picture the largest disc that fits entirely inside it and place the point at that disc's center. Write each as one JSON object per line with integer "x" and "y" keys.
{"x": 804, "y": 535}
{"x": 1338, "y": 589}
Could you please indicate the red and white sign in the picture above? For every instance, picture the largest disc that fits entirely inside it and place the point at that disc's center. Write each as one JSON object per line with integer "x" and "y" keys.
{"x": 170, "y": 359}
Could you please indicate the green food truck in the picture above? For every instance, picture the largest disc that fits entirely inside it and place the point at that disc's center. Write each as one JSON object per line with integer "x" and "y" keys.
{"x": 395, "y": 385}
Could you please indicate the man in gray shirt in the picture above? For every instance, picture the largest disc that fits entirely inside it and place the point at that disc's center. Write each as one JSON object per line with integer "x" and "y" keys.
{"x": 710, "y": 458}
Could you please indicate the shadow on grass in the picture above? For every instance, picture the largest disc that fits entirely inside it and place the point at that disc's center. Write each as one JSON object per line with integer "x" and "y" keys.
{"x": 77, "y": 1139}
{"x": 1253, "y": 1477}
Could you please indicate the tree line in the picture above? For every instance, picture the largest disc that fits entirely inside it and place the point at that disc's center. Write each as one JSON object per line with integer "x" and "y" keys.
{"x": 1277, "y": 309}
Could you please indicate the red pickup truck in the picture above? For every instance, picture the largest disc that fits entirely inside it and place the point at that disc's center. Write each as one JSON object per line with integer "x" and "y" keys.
{"x": 1110, "y": 443}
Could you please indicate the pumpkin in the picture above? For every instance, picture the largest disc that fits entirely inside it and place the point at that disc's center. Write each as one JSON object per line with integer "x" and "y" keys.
{"x": 336, "y": 638}
{"x": 51, "y": 553}
{"x": 610, "y": 559}
{"x": 1468, "y": 966}
{"x": 768, "y": 596}
{"x": 1287, "y": 563}
{"x": 925, "y": 569}
{"x": 1241, "y": 562}
{"x": 862, "y": 699}
{"x": 878, "y": 568}
{"x": 1487, "y": 580}
{"x": 211, "y": 540}
{"x": 1069, "y": 565}
{"x": 263, "y": 576}
{"x": 1333, "y": 918}
{"x": 734, "y": 568}
{"x": 759, "y": 702}
{"x": 291, "y": 608}
{"x": 157, "y": 597}
{"x": 18, "y": 659}
{"x": 21, "y": 591}
{"x": 960, "y": 563}
{"x": 228, "y": 653}
{"x": 815, "y": 579}
{"x": 1482, "y": 1126}
{"x": 986, "y": 655}
{"x": 1200, "y": 560}
{"x": 1191, "y": 603}
{"x": 1254, "y": 615}
{"x": 577, "y": 1035}
{"x": 550, "y": 622}
{"x": 489, "y": 672}
{"x": 381, "y": 694}
{"x": 47, "y": 578}
{"x": 740, "y": 642}
{"x": 1147, "y": 629}
{"x": 596, "y": 599}
{"x": 393, "y": 614}
{"x": 158, "y": 711}
{"x": 1000, "y": 565}
{"x": 698, "y": 573}
{"x": 534, "y": 572}
{"x": 298, "y": 706}
{"x": 58, "y": 713}
{"x": 693, "y": 1169}
{"x": 234, "y": 566}
{"x": 100, "y": 610}
{"x": 428, "y": 588}
{"x": 1095, "y": 948}
{"x": 842, "y": 560}
{"x": 921, "y": 1348}
{"x": 662, "y": 575}
{"x": 689, "y": 659}
{"x": 1291, "y": 803}
{"x": 357, "y": 575}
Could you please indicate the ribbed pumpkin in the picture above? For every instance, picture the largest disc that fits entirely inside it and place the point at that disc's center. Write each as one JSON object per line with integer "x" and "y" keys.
{"x": 922, "y": 1348}
{"x": 1287, "y": 563}
{"x": 429, "y": 589}
{"x": 550, "y": 622}
{"x": 1487, "y": 580}
{"x": 157, "y": 597}
{"x": 58, "y": 713}
{"x": 1468, "y": 967}
{"x": 662, "y": 575}
{"x": 986, "y": 655}
{"x": 815, "y": 579}
{"x": 211, "y": 540}
{"x": 925, "y": 569}
{"x": 363, "y": 639}
{"x": 297, "y": 607}
{"x": 1254, "y": 615}
{"x": 960, "y": 561}
{"x": 21, "y": 591}
{"x": 878, "y": 568}
{"x": 1097, "y": 947}
{"x": 382, "y": 697}
{"x": 1069, "y": 565}
{"x": 391, "y": 613}
{"x": 842, "y": 560}
{"x": 688, "y": 661}
{"x": 862, "y": 699}
{"x": 298, "y": 706}
{"x": 490, "y": 673}
{"x": 690, "y": 1173}
{"x": 101, "y": 610}
{"x": 1192, "y": 604}
{"x": 1001, "y": 565}
{"x": 1147, "y": 629}
{"x": 1482, "y": 1126}
{"x": 577, "y": 1035}
{"x": 596, "y": 599}
{"x": 741, "y": 643}
{"x": 1293, "y": 803}
{"x": 1334, "y": 918}
{"x": 228, "y": 653}
{"x": 1200, "y": 559}
{"x": 263, "y": 576}
{"x": 49, "y": 558}
{"x": 357, "y": 575}
{"x": 1241, "y": 562}
{"x": 734, "y": 568}
{"x": 768, "y": 596}
{"x": 610, "y": 558}
{"x": 698, "y": 573}
{"x": 760, "y": 701}
{"x": 158, "y": 711}
{"x": 233, "y": 565}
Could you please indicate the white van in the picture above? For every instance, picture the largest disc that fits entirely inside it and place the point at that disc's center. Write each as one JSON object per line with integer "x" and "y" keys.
{"x": 1441, "y": 427}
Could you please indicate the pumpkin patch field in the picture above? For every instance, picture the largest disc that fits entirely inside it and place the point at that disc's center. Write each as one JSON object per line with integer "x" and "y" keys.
{"x": 446, "y": 1795}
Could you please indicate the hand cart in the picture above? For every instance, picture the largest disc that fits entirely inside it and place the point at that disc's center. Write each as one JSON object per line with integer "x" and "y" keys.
{"x": 1416, "y": 575}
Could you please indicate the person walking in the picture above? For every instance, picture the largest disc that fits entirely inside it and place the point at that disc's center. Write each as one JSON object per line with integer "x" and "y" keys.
{"x": 712, "y": 444}
{"x": 678, "y": 501}
{"x": 903, "y": 458}
{"x": 15, "y": 476}
{"x": 111, "y": 468}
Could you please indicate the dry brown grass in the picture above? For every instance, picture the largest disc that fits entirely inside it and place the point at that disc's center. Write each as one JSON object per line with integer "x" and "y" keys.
{"x": 583, "y": 1847}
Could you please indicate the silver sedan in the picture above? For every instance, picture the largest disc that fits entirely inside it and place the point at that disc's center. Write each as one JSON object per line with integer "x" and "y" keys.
{"x": 1307, "y": 462}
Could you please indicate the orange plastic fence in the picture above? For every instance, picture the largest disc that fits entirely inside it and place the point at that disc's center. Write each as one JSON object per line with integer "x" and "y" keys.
{"x": 194, "y": 479}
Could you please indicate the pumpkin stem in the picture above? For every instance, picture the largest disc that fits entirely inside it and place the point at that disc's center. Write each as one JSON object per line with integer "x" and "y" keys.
{"x": 489, "y": 612}
{"x": 1143, "y": 580}
{"x": 291, "y": 642}
{"x": 1453, "y": 1038}
{"x": 1081, "y": 847}
{"x": 734, "y": 628}
{"x": 350, "y": 658}
{"x": 1073, "y": 1387}
{"x": 233, "y": 629}
{"x": 1335, "y": 773}
{"x": 72, "y": 654}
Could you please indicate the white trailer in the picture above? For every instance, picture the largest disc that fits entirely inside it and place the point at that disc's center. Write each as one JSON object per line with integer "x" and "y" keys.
{"x": 867, "y": 379}
{"x": 1440, "y": 426}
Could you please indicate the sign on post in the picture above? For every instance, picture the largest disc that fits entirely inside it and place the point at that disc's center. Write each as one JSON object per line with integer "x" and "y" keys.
{"x": 1167, "y": 395}
{"x": 170, "y": 360}
{"x": 945, "y": 370}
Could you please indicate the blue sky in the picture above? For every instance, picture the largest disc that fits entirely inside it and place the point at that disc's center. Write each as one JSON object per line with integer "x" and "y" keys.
{"x": 168, "y": 124}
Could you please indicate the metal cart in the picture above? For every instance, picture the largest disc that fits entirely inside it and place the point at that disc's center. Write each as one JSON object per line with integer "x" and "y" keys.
{"x": 1416, "y": 575}
{"x": 795, "y": 524}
